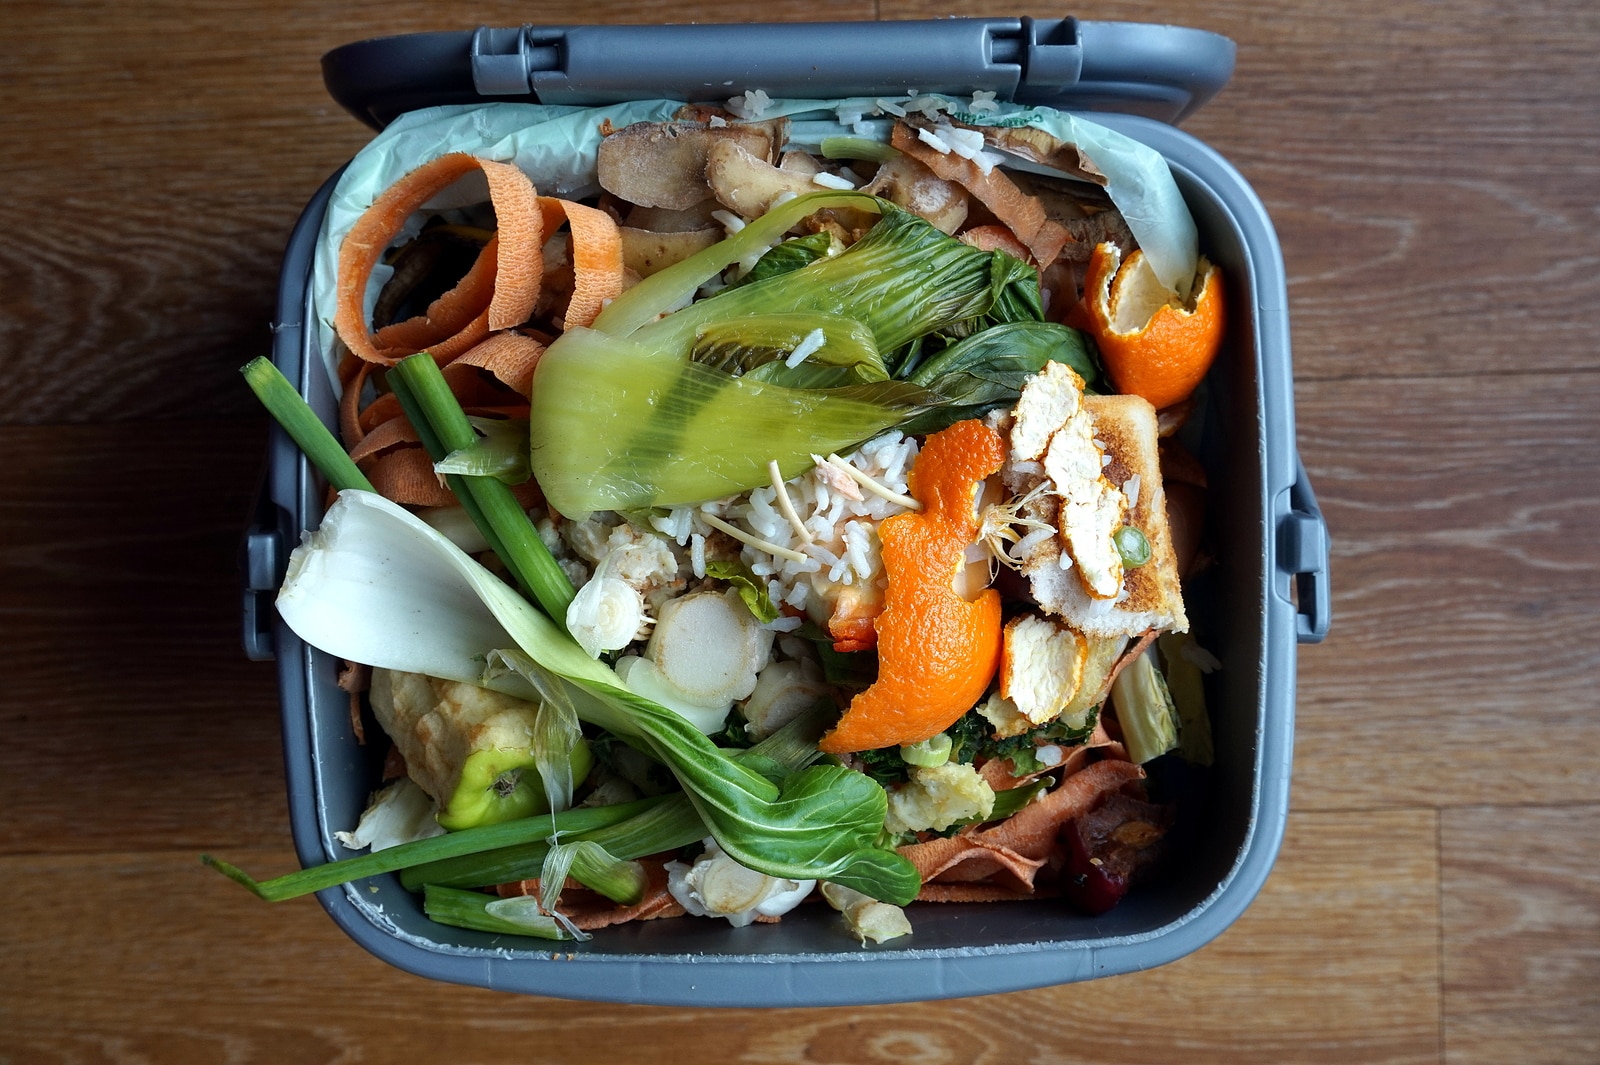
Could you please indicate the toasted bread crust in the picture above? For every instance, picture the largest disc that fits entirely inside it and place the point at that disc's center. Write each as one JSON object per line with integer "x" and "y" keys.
{"x": 1151, "y": 596}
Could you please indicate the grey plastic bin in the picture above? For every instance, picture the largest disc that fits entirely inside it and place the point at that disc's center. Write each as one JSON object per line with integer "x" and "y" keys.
{"x": 1268, "y": 591}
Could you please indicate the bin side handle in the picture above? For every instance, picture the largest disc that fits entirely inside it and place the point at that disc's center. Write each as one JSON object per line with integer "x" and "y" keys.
{"x": 262, "y": 562}
{"x": 1303, "y": 556}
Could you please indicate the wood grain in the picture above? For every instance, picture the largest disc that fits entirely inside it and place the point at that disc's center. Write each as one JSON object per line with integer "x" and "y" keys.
{"x": 1466, "y": 581}
{"x": 131, "y": 716}
{"x": 168, "y": 158}
{"x": 1431, "y": 172}
{"x": 1339, "y": 953}
{"x": 1521, "y": 913}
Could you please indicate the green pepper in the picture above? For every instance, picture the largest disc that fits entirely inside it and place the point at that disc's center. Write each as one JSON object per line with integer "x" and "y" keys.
{"x": 502, "y": 784}
{"x": 470, "y": 748}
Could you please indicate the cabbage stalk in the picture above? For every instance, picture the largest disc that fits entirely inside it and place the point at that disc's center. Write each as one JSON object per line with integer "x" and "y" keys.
{"x": 375, "y": 584}
{"x": 666, "y": 402}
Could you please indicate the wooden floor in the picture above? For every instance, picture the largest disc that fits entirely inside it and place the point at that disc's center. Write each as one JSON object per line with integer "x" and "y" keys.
{"x": 1434, "y": 173}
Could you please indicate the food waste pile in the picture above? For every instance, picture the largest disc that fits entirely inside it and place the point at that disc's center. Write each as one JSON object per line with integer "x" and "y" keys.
{"x": 759, "y": 505}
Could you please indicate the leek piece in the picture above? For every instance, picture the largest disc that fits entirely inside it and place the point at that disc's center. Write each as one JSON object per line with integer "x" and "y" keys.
{"x": 857, "y": 148}
{"x": 1144, "y": 710}
{"x": 475, "y": 910}
{"x": 1181, "y": 660}
{"x": 500, "y": 451}
{"x": 590, "y": 864}
{"x": 302, "y": 424}
{"x": 432, "y": 849}
{"x": 520, "y": 547}
{"x": 822, "y": 822}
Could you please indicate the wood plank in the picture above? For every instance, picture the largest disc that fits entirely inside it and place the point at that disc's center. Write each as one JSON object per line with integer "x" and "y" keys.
{"x": 1430, "y": 171}
{"x": 143, "y": 253}
{"x": 1521, "y": 920}
{"x": 1466, "y": 579}
{"x": 131, "y": 716}
{"x": 1336, "y": 961}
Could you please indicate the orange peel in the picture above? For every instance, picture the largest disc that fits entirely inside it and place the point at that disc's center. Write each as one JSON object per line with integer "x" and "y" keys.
{"x": 1152, "y": 344}
{"x": 937, "y": 651}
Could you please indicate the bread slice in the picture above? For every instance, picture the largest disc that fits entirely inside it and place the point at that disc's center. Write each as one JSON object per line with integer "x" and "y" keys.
{"x": 1150, "y": 597}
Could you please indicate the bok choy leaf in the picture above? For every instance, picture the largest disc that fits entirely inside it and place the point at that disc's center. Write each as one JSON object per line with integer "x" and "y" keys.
{"x": 821, "y": 822}
{"x": 988, "y": 369}
{"x": 614, "y": 426}
{"x": 643, "y": 411}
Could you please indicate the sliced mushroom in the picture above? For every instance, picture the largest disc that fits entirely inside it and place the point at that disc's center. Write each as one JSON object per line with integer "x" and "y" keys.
{"x": 665, "y": 220}
{"x": 1043, "y": 237}
{"x": 1039, "y": 147}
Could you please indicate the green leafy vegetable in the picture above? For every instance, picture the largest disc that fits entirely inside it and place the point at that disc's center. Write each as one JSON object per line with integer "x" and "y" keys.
{"x": 501, "y": 451}
{"x": 638, "y": 412}
{"x": 752, "y": 591}
{"x": 760, "y": 346}
{"x": 790, "y": 255}
{"x": 617, "y": 427}
{"x": 668, "y": 825}
{"x": 988, "y": 370}
{"x": 822, "y": 822}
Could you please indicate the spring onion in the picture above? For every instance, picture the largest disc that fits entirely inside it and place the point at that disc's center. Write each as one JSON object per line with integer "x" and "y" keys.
{"x": 485, "y": 913}
{"x": 434, "y": 849}
{"x": 302, "y": 424}
{"x": 516, "y": 540}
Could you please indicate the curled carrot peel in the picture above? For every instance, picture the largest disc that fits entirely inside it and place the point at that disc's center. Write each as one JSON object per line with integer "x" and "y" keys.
{"x": 468, "y": 330}
{"x": 937, "y": 652}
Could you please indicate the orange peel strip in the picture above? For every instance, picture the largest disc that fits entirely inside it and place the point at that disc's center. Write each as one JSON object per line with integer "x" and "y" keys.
{"x": 937, "y": 652}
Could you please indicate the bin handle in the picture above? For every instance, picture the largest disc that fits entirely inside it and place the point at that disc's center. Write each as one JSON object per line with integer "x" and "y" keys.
{"x": 1303, "y": 556}
{"x": 261, "y": 567}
